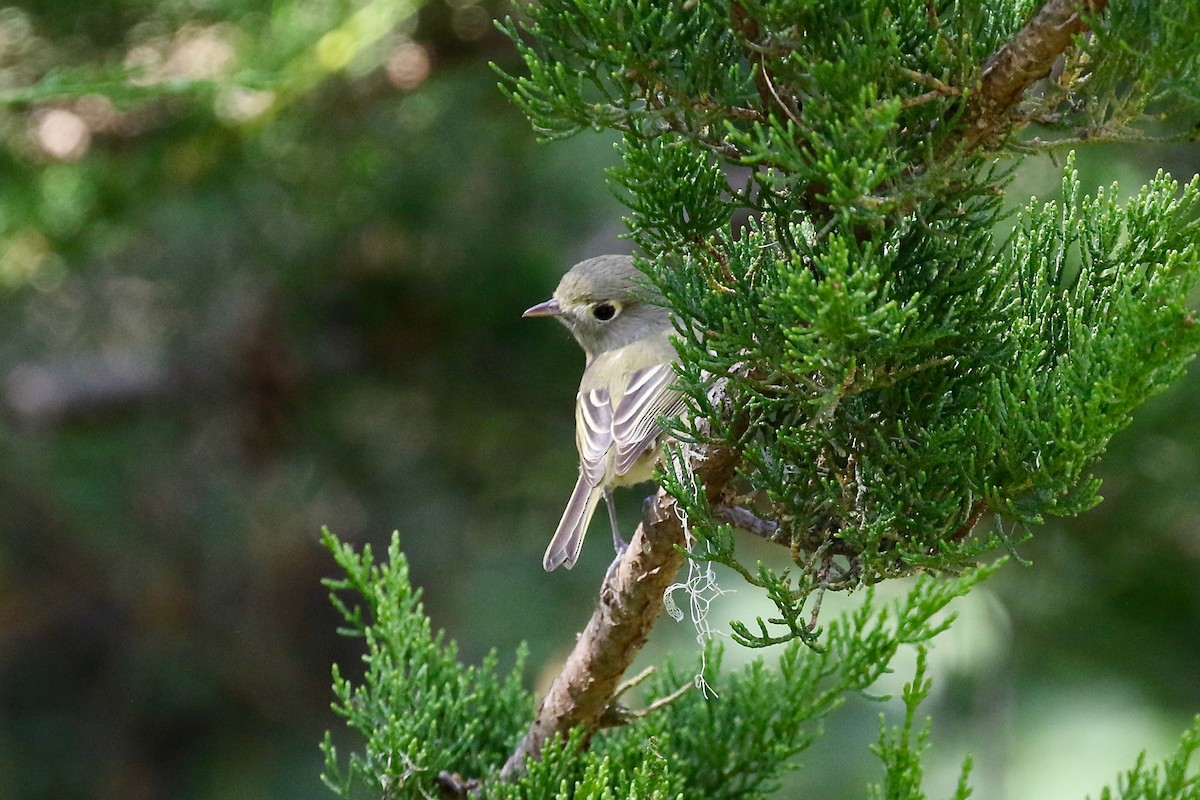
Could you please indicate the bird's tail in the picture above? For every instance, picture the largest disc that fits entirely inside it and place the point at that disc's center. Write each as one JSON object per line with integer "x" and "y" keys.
{"x": 568, "y": 539}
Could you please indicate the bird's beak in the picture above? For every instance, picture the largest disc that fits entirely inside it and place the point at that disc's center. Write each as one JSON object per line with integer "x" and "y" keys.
{"x": 550, "y": 308}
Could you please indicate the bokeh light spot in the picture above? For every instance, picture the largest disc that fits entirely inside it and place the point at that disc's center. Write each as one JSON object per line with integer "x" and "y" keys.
{"x": 61, "y": 134}
{"x": 22, "y": 257}
{"x": 408, "y": 66}
{"x": 470, "y": 22}
{"x": 240, "y": 104}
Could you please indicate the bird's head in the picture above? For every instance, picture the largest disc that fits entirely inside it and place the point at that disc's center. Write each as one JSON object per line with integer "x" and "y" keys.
{"x": 605, "y": 304}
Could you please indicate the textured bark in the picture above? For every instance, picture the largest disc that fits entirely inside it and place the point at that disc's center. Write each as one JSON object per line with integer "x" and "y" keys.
{"x": 631, "y": 600}
{"x": 1012, "y": 69}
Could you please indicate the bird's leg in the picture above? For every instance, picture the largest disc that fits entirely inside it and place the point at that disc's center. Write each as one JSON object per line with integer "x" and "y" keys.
{"x": 619, "y": 544}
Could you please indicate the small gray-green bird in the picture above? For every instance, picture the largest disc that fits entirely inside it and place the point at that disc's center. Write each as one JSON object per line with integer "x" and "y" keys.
{"x": 628, "y": 383}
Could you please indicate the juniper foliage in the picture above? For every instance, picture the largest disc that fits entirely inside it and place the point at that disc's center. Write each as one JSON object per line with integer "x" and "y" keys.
{"x": 419, "y": 711}
{"x": 903, "y": 350}
{"x": 905, "y": 356}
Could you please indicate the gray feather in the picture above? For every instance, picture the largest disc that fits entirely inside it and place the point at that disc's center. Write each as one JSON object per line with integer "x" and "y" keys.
{"x": 567, "y": 541}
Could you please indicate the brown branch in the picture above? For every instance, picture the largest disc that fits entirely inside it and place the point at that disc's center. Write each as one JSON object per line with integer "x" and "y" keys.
{"x": 937, "y": 88}
{"x": 973, "y": 516}
{"x": 615, "y": 715}
{"x": 631, "y": 599}
{"x": 749, "y": 29}
{"x": 1019, "y": 64}
{"x": 747, "y": 520}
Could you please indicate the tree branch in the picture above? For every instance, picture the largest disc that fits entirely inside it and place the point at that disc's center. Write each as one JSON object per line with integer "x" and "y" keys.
{"x": 631, "y": 599}
{"x": 1016, "y": 66}
{"x": 747, "y": 520}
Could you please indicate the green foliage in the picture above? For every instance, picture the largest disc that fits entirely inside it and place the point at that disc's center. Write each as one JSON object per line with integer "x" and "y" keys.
{"x": 1141, "y": 68}
{"x": 829, "y": 99}
{"x": 900, "y": 747}
{"x": 897, "y": 372}
{"x": 1179, "y": 779}
{"x": 419, "y": 712}
{"x": 1101, "y": 322}
{"x": 418, "y": 709}
{"x": 903, "y": 383}
{"x": 564, "y": 772}
{"x": 736, "y": 744}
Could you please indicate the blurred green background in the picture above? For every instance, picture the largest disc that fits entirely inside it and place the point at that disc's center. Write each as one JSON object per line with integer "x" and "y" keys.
{"x": 275, "y": 283}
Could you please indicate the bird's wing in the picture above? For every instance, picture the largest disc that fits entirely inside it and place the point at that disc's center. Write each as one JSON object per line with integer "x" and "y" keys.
{"x": 593, "y": 433}
{"x": 649, "y": 394}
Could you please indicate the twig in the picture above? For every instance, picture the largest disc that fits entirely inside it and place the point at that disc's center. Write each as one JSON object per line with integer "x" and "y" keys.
{"x": 616, "y": 715}
{"x": 928, "y": 97}
{"x": 937, "y": 88}
{"x": 636, "y": 680}
{"x": 746, "y": 519}
{"x": 787, "y": 109}
{"x": 1020, "y": 63}
{"x": 977, "y": 511}
{"x": 662, "y": 702}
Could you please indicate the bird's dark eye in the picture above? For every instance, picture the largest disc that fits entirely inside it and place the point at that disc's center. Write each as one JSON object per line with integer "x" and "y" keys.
{"x": 604, "y": 311}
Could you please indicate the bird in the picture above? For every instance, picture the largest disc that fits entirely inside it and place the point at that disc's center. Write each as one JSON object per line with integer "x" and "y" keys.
{"x": 628, "y": 384}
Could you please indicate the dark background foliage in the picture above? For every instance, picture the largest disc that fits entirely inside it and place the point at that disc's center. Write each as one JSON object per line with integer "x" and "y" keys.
{"x": 274, "y": 290}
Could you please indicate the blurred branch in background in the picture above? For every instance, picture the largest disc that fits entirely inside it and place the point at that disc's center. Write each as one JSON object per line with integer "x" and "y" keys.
{"x": 54, "y": 393}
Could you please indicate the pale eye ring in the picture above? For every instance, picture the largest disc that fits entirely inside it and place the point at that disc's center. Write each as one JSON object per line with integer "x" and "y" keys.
{"x": 604, "y": 311}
